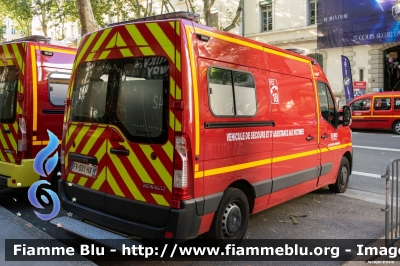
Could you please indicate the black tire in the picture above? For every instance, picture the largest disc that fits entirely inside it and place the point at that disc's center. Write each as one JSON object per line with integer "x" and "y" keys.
{"x": 231, "y": 218}
{"x": 343, "y": 177}
{"x": 396, "y": 127}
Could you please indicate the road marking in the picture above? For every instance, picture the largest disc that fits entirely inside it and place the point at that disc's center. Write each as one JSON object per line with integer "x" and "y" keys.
{"x": 366, "y": 174}
{"x": 364, "y": 195}
{"x": 395, "y": 136}
{"x": 376, "y": 148}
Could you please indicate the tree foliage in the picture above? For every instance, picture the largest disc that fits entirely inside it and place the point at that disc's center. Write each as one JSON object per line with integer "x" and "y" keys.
{"x": 93, "y": 14}
{"x": 20, "y": 12}
{"x": 234, "y": 20}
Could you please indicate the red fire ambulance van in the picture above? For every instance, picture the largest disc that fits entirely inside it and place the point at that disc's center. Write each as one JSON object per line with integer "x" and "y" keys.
{"x": 34, "y": 77}
{"x": 173, "y": 129}
{"x": 378, "y": 110}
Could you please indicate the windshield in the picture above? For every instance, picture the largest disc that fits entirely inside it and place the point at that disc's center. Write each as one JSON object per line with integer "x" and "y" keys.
{"x": 8, "y": 93}
{"x": 131, "y": 93}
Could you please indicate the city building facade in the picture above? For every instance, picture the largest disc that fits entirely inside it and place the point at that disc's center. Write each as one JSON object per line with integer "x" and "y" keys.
{"x": 309, "y": 27}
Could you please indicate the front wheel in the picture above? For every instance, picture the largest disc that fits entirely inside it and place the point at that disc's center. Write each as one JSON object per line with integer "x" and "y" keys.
{"x": 231, "y": 218}
{"x": 342, "y": 179}
{"x": 396, "y": 127}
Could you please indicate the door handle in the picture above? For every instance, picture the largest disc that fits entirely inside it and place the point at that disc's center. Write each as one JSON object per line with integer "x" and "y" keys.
{"x": 7, "y": 131}
{"x": 309, "y": 138}
{"x": 119, "y": 152}
{"x": 324, "y": 136}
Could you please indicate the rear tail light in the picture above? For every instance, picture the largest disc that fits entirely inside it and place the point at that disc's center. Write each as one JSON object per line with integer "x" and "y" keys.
{"x": 182, "y": 184}
{"x": 22, "y": 140}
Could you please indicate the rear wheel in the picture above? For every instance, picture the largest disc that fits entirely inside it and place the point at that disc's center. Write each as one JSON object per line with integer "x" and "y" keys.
{"x": 396, "y": 127}
{"x": 231, "y": 218}
{"x": 342, "y": 179}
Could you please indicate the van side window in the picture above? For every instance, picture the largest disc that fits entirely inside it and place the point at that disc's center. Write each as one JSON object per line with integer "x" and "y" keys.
{"x": 361, "y": 105}
{"x": 327, "y": 104}
{"x": 58, "y": 87}
{"x": 8, "y": 93}
{"x": 397, "y": 103}
{"x": 231, "y": 92}
{"x": 382, "y": 104}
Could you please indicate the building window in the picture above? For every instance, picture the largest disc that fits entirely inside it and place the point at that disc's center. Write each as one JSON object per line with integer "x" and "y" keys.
{"x": 313, "y": 8}
{"x": 266, "y": 15}
{"x": 361, "y": 74}
{"x": 319, "y": 58}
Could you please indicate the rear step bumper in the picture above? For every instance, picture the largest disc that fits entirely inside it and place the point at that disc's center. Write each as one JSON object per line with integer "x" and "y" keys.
{"x": 183, "y": 223}
{"x": 98, "y": 235}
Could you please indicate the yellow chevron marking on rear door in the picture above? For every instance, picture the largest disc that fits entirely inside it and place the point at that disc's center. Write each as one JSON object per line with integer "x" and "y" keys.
{"x": 163, "y": 40}
{"x": 82, "y": 181}
{"x": 127, "y": 179}
{"x": 113, "y": 184}
{"x": 89, "y": 144}
{"x": 126, "y": 52}
{"x": 160, "y": 199}
{"x": 101, "y": 177}
{"x": 112, "y": 42}
{"x": 84, "y": 49}
{"x": 169, "y": 150}
{"x": 136, "y": 35}
{"x": 18, "y": 57}
{"x": 146, "y": 51}
{"x": 100, "y": 41}
{"x": 158, "y": 166}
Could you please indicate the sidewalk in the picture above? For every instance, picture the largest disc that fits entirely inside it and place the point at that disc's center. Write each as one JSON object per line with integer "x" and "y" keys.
{"x": 13, "y": 227}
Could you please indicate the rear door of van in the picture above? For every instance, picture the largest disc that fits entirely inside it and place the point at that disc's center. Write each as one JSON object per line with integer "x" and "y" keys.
{"x": 11, "y": 82}
{"x": 8, "y": 113}
{"x": 120, "y": 142}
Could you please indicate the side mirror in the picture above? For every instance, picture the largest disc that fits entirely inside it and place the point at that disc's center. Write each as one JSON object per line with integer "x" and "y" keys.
{"x": 345, "y": 115}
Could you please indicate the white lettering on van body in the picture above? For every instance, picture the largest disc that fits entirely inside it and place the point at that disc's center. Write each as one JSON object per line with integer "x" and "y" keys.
{"x": 263, "y": 134}
{"x": 274, "y": 91}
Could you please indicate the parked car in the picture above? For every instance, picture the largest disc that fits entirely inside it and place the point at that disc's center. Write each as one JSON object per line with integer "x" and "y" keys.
{"x": 380, "y": 110}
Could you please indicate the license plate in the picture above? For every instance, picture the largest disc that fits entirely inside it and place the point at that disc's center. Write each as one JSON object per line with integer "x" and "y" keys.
{"x": 84, "y": 169}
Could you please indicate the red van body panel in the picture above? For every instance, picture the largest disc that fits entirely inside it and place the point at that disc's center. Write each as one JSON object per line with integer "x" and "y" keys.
{"x": 238, "y": 114}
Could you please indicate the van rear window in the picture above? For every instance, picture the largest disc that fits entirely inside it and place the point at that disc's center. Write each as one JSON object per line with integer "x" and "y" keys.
{"x": 8, "y": 93}
{"x": 131, "y": 93}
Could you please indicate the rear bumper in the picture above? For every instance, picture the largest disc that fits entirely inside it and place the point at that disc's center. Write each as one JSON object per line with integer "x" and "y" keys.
{"x": 18, "y": 176}
{"x": 183, "y": 223}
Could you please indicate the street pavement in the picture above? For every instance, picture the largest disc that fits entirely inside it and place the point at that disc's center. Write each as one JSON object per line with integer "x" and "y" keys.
{"x": 13, "y": 227}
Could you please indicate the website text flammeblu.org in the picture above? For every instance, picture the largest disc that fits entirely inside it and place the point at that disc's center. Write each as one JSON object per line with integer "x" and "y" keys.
{"x": 181, "y": 252}
{"x": 233, "y": 250}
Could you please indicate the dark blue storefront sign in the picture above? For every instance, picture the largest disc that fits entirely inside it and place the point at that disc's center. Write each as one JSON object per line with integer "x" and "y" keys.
{"x": 357, "y": 22}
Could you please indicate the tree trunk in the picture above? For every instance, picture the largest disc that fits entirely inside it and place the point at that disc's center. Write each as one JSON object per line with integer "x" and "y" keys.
{"x": 236, "y": 18}
{"x": 44, "y": 23}
{"x": 86, "y": 17}
{"x": 207, "y": 11}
